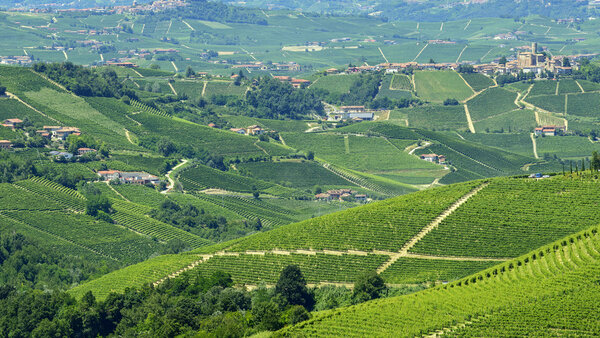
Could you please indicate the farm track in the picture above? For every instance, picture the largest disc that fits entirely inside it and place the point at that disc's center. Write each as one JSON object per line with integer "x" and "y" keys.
{"x": 172, "y": 88}
{"x": 411, "y": 150}
{"x": 380, "y": 51}
{"x": 116, "y": 192}
{"x": 261, "y": 148}
{"x": 138, "y": 73}
{"x": 311, "y": 252}
{"x": 13, "y": 96}
{"x": 535, "y": 154}
{"x": 419, "y": 54}
{"x": 426, "y": 230}
{"x": 469, "y": 120}
{"x": 171, "y": 180}
{"x": 580, "y": 87}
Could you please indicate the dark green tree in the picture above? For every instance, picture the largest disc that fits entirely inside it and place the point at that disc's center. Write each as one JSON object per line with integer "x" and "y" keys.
{"x": 369, "y": 286}
{"x": 292, "y": 287}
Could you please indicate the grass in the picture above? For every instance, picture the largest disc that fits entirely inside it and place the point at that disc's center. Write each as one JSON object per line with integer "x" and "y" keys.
{"x": 417, "y": 270}
{"x": 585, "y": 105}
{"x": 544, "y": 87}
{"x": 436, "y": 86}
{"x": 385, "y": 90}
{"x": 553, "y": 103}
{"x": 519, "y": 120}
{"x": 401, "y": 82}
{"x": 566, "y": 146}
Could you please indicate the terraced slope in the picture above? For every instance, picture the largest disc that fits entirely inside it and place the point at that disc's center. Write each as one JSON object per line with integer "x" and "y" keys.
{"x": 551, "y": 291}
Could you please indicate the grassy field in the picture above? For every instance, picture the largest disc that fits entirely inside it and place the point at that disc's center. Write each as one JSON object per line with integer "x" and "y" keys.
{"x": 432, "y": 117}
{"x": 519, "y": 120}
{"x": 436, "y": 86}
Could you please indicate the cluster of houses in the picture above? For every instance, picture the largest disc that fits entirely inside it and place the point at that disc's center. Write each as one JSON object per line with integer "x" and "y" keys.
{"x": 433, "y": 158}
{"x": 67, "y": 156}
{"x": 128, "y": 177}
{"x": 341, "y": 195}
{"x": 251, "y": 130}
{"x": 549, "y": 130}
{"x": 5, "y": 144}
{"x": 296, "y": 83}
{"x": 16, "y": 60}
{"x": 355, "y": 113}
{"x": 289, "y": 66}
{"x": 58, "y": 132}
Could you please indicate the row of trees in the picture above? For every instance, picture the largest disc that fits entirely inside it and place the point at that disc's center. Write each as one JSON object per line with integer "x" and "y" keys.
{"x": 193, "y": 303}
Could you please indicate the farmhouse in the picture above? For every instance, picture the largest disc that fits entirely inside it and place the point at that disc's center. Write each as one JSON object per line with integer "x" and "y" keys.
{"x": 63, "y": 133}
{"x": 361, "y": 116}
{"x": 12, "y": 123}
{"x": 430, "y": 157}
{"x": 58, "y": 154}
{"x": 240, "y": 131}
{"x": 255, "y": 130}
{"x": 5, "y": 144}
{"x": 549, "y": 130}
{"x": 83, "y": 151}
{"x": 352, "y": 109}
{"x": 323, "y": 197}
{"x": 43, "y": 133}
{"x": 128, "y": 177}
{"x": 298, "y": 83}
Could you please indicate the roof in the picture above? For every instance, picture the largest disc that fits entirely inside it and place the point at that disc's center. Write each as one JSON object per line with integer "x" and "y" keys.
{"x": 429, "y": 155}
{"x": 14, "y": 120}
{"x": 108, "y": 172}
{"x": 352, "y": 107}
{"x": 86, "y": 149}
{"x": 5, "y": 142}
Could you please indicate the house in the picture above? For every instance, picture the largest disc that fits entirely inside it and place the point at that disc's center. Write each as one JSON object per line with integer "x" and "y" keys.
{"x": 323, "y": 197}
{"x": 83, "y": 151}
{"x": 12, "y": 123}
{"x": 64, "y": 132}
{"x": 5, "y": 144}
{"x": 360, "y": 198}
{"x": 108, "y": 175}
{"x": 430, "y": 157}
{"x": 240, "y": 131}
{"x": 361, "y": 116}
{"x": 442, "y": 159}
{"x": 57, "y": 154}
{"x": 352, "y": 109}
{"x": 126, "y": 177}
{"x": 298, "y": 83}
{"x": 51, "y": 129}
{"x": 255, "y": 130}
{"x": 43, "y": 133}
{"x": 549, "y": 130}
{"x": 212, "y": 125}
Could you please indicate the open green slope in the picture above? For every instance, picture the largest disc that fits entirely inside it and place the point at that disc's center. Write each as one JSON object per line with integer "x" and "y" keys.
{"x": 550, "y": 291}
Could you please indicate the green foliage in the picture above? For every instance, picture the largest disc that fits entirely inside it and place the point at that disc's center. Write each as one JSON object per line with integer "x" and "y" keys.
{"x": 295, "y": 174}
{"x": 273, "y": 99}
{"x": 369, "y": 286}
{"x": 493, "y": 101}
{"x": 416, "y": 270}
{"x": 436, "y": 86}
{"x": 292, "y": 287}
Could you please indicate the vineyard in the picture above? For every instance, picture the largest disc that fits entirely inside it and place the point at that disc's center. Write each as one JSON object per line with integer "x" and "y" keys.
{"x": 436, "y": 86}
{"x": 547, "y": 87}
{"x": 139, "y": 274}
{"x": 585, "y": 105}
{"x": 386, "y": 90}
{"x": 133, "y": 217}
{"x": 511, "y": 216}
{"x": 491, "y": 102}
{"x": 296, "y": 174}
{"x": 401, "y": 82}
{"x": 434, "y": 117}
{"x": 386, "y": 225}
{"x": 417, "y": 270}
{"x": 47, "y": 189}
{"x": 107, "y": 240}
{"x": 477, "y": 81}
{"x": 562, "y": 275}
{"x": 257, "y": 268}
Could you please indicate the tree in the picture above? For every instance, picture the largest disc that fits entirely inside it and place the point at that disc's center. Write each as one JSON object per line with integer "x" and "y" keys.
{"x": 431, "y": 61}
{"x": 189, "y": 72}
{"x": 154, "y": 66}
{"x": 310, "y": 156}
{"x": 450, "y": 102}
{"x": 566, "y": 62}
{"x": 97, "y": 203}
{"x": 292, "y": 287}
{"x": 156, "y": 87}
{"x": 2, "y": 91}
{"x": 595, "y": 161}
{"x": 165, "y": 146}
{"x": 502, "y": 60}
{"x": 369, "y": 286}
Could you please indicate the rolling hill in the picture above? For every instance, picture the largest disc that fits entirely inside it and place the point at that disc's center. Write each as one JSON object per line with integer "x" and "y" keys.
{"x": 433, "y": 236}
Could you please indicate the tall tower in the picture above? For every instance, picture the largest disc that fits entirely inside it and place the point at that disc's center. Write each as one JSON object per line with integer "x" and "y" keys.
{"x": 534, "y": 48}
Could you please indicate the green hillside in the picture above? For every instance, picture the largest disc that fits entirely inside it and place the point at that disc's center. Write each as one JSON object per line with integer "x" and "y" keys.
{"x": 533, "y": 286}
{"x": 441, "y": 234}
